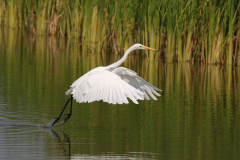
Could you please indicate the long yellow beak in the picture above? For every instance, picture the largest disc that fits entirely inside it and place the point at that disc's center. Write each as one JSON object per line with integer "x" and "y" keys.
{"x": 149, "y": 48}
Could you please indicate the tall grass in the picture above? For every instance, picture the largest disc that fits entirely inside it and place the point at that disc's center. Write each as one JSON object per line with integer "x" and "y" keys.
{"x": 181, "y": 30}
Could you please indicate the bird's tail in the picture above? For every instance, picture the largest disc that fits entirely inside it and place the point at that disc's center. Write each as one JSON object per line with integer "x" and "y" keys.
{"x": 68, "y": 91}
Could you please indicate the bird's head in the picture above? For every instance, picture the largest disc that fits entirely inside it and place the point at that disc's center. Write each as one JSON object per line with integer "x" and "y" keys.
{"x": 140, "y": 46}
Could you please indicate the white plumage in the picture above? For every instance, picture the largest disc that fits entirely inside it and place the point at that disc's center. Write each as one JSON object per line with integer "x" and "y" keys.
{"x": 113, "y": 85}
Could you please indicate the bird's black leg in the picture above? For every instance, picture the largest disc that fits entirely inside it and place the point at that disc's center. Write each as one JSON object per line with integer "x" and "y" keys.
{"x": 68, "y": 115}
{"x": 57, "y": 118}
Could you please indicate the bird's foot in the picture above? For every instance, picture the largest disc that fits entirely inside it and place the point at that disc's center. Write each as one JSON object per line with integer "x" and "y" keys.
{"x": 67, "y": 118}
{"x": 55, "y": 121}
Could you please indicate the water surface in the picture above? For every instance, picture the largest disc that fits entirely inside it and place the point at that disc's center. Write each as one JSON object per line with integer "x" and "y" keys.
{"x": 197, "y": 116}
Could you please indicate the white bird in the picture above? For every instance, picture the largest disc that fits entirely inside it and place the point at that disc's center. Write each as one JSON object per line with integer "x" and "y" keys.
{"x": 111, "y": 84}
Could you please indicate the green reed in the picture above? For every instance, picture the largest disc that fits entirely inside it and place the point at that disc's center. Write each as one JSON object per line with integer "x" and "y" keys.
{"x": 181, "y": 30}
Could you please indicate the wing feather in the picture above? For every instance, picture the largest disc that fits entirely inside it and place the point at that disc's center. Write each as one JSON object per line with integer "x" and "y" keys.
{"x": 130, "y": 95}
{"x": 123, "y": 95}
{"x": 91, "y": 97}
{"x": 110, "y": 95}
{"x": 137, "y": 82}
{"x": 118, "y": 97}
{"x": 114, "y": 96}
{"x": 104, "y": 85}
{"x": 105, "y": 95}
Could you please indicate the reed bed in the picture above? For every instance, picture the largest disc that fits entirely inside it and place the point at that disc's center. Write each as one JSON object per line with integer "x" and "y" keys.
{"x": 181, "y": 30}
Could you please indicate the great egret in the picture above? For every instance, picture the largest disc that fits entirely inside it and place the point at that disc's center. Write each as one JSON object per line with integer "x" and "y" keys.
{"x": 110, "y": 84}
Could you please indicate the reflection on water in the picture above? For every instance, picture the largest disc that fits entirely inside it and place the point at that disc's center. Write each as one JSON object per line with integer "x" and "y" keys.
{"x": 197, "y": 116}
{"x": 25, "y": 142}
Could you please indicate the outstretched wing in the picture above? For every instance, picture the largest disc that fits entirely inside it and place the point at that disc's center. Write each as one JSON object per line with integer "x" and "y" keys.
{"x": 106, "y": 86}
{"x": 137, "y": 82}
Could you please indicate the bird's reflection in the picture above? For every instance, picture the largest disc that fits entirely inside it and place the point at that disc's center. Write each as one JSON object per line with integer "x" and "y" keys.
{"x": 63, "y": 141}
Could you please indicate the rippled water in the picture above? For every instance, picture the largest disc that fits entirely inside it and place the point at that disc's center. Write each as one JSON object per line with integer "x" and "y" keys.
{"x": 197, "y": 116}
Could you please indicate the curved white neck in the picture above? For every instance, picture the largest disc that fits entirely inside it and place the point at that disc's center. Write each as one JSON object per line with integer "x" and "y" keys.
{"x": 119, "y": 62}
